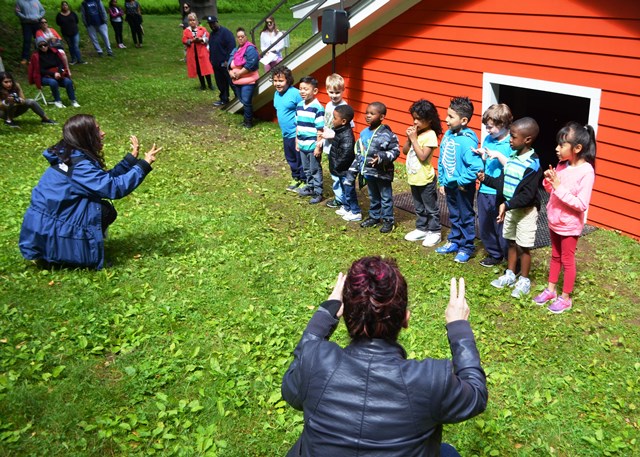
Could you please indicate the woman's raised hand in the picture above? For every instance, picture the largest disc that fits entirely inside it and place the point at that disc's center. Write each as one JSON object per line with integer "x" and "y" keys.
{"x": 336, "y": 294}
{"x": 150, "y": 156}
{"x": 135, "y": 146}
{"x": 458, "y": 308}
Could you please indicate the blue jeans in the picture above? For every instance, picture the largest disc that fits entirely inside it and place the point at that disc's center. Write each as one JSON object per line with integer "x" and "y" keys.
{"x": 55, "y": 87}
{"x": 313, "y": 171}
{"x": 380, "y": 198}
{"x": 293, "y": 159}
{"x": 490, "y": 230}
{"x": 74, "y": 47}
{"x": 349, "y": 196}
{"x": 103, "y": 30}
{"x": 446, "y": 450}
{"x": 462, "y": 216}
{"x": 336, "y": 185}
{"x": 425, "y": 202}
{"x": 244, "y": 93}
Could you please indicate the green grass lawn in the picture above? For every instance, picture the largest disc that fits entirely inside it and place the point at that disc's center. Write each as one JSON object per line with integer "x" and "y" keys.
{"x": 179, "y": 348}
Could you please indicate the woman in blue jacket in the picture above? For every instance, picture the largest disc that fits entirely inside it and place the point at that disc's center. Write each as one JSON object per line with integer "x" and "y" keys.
{"x": 69, "y": 215}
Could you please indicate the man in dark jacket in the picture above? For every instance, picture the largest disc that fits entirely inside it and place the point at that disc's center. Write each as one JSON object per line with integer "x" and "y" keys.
{"x": 221, "y": 43}
{"x": 368, "y": 398}
{"x": 94, "y": 17}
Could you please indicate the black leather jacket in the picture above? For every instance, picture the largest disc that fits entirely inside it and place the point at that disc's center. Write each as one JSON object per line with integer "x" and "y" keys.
{"x": 369, "y": 400}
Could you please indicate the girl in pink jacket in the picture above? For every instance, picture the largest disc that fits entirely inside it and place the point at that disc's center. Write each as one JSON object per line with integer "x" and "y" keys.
{"x": 570, "y": 185}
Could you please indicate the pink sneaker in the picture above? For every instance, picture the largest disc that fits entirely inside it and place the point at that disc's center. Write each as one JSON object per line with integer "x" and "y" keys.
{"x": 545, "y": 296}
{"x": 559, "y": 305}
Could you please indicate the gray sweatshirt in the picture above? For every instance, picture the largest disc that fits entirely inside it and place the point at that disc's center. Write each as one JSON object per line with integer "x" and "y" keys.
{"x": 29, "y": 10}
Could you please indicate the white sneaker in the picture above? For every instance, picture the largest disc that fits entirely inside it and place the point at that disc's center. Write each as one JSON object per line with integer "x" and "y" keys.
{"x": 415, "y": 235}
{"x": 523, "y": 287}
{"x": 58, "y": 105}
{"x": 75, "y": 104}
{"x": 122, "y": 46}
{"x": 507, "y": 279}
{"x": 352, "y": 217}
{"x": 431, "y": 239}
{"x": 341, "y": 211}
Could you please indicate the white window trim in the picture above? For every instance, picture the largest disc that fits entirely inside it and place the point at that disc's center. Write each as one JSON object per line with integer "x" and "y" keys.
{"x": 491, "y": 81}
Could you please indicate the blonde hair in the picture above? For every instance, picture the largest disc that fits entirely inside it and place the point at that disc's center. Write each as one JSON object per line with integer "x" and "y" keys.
{"x": 499, "y": 114}
{"x": 335, "y": 81}
{"x": 193, "y": 16}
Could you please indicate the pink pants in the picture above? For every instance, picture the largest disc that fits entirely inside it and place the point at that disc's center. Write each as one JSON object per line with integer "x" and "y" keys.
{"x": 563, "y": 255}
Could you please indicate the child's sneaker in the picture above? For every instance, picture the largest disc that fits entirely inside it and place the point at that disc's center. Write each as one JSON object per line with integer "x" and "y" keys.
{"x": 341, "y": 211}
{"x": 490, "y": 262}
{"x": 352, "y": 217}
{"x": 294, "y": 185}
{"x": 507, "y": 279}
{"x": 447, "y": 248}
{"x": 369, "y": 222}
{"x": 415, "y": 235}
{"x": 523, "y": 287}
{"x": 544, "y": 297}
{"x": 316, "y": 199}
{"x": 305, "y": 192}
{"x": 462, "y": 257}
{"x": 387, "y": 226}
{"x": 333, "y": 203}
{"x": 431, "y": 239}
{"x": 560, "y": 305}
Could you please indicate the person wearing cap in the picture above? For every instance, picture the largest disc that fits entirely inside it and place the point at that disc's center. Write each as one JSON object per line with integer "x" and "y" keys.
{"x": 221, "y": 43}
{"x": 47, "y": 68}
{"x": 30, "y": 12}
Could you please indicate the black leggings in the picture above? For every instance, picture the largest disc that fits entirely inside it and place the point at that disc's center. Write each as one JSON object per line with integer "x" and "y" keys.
{"x": 117, "y": 28}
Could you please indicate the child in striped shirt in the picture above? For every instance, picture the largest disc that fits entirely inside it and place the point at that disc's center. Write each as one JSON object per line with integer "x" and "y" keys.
{"x": 309, "y": 126}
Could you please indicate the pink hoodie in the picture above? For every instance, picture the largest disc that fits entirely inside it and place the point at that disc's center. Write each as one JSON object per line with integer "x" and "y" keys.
{"x": 568, "y": 204}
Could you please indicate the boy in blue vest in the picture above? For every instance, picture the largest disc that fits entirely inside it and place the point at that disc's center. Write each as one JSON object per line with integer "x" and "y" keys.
{"x": 285, "y": 101}
{"x": 309, "y": 125}
{"x": 458, "y": 167}
{"x": 517, "y": 188}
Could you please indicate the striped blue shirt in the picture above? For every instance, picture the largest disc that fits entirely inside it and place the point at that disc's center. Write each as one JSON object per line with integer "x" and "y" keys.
{"x": 309, "y": 119}
{"x": 514, "y": 171}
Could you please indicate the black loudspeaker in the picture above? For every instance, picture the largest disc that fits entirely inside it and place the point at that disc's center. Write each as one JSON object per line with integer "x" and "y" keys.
{"x": 335, "y": 27}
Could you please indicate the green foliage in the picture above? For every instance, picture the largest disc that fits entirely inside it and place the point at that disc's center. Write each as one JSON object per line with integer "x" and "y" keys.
{"x": 179, "y": 348}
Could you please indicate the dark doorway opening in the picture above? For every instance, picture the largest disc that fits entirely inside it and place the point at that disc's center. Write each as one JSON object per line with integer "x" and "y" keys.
{"x": 550, "y": 110}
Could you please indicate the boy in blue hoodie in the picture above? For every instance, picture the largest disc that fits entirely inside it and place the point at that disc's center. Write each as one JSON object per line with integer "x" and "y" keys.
{"x": 458, "y": 166}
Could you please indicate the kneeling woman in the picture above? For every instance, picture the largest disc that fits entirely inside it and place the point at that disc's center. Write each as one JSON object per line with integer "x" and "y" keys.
{"x": 69, "y": 214}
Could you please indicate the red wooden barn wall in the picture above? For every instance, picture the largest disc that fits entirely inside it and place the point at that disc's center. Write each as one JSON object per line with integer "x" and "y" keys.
{"x": 437, "y": 50}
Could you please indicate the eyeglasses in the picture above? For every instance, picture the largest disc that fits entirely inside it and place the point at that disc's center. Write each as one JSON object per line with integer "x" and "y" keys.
{"x": 269, "y": 23}
{"x": 43, "y": 45}
{"x": 43, "y": 22}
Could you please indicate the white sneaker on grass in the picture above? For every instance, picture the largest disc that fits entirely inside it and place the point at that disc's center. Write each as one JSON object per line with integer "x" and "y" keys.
{"x": 523, "y": 287}
{"x": 58, "y": 105}
{"x": 508, "y": 279}
{"x": 341, "y": 211}
{"x": 352, "y": 217}
{"x": 75, "y": 104}
{"x": 431, "y": 239}
{"x": 415, "y": 235}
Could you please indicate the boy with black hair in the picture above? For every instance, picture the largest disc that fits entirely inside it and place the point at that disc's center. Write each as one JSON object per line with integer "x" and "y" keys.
{"x": 458, "y": 166}
{"x": 517, "y": 188}
{"x": 376, "y": 150}
{"x": 341, "y": 156}
{"x": 285, "y": 101}
{"x": 310, "y": 124}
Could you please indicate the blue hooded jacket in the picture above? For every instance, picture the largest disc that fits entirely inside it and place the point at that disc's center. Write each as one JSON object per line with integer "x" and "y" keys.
{"x": 458, "y": 165}
{"x": 63, "y": 224}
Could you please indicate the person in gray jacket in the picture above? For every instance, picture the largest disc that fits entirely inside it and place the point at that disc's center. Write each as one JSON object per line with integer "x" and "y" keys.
{"x": 30, "y": 12}
{"x": 368, "y": 398}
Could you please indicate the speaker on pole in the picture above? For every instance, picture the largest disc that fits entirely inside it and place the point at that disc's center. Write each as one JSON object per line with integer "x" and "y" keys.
{"x": 335, "y": 27}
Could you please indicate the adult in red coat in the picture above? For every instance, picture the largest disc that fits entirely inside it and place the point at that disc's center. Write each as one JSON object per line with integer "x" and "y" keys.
{"x": 47, "y": 68}
{"x": 195, "y": 38}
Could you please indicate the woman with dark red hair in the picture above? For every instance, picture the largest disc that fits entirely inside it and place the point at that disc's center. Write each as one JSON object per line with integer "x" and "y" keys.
{"x": 368, "y": 398}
